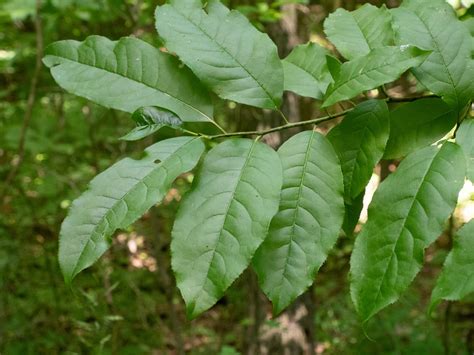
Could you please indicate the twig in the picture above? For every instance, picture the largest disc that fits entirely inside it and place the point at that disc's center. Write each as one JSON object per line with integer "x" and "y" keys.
{"x": 31, "y": 100}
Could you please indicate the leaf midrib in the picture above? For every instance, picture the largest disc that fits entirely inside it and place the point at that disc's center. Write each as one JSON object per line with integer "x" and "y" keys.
{"x": 112, "y": 208}
{"x": 228, "y": 53}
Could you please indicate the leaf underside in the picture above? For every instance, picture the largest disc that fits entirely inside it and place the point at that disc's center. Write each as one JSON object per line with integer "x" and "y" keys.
{"x": 118, "y": 196}
{"x": 308, "y": 222}
{"x": 126, "y": 75}
{"x": 224, "y": 219}
{"x": 407, "y": 214}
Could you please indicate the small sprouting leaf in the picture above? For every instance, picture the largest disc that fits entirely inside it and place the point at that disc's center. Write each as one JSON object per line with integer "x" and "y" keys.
{"x": 457, "y": 277}
{"x": 118, "y": 196}
{"x": 306, "y": 72}
{"x": 126, "y": 75}
{"x": 407, "y": 214}
{"x": 359, "y": 141}
{"x": 224, "y": 219}
{"x": 465, "y": 138}
{"x": 449, "y": 69}
{"x": 357, "y": 32}
{"x": 150, "y": 120}
{"x": 380, "y": 66}
{"x": 418, "y": 124}
{"x": 224, "y": 50}
{"x": 308, "y": 222}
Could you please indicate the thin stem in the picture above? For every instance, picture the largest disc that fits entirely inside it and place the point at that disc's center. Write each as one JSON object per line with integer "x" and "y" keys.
{"x": 31, "y": 99}
{"x": 283, "y": 116}
{"x": 218, "y": 126}
{"x": 280, "y": 128}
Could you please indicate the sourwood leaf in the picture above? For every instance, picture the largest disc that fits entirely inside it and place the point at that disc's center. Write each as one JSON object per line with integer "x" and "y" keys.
{"x": 418, "y": 124}
{"x": 224, "y": 50}
{"x": 356, "y": 33}
{"x": 465, "y": 138}
{"x": 224, "y": 219}
{"x": 306, "y": 71}
{"x": 408, "y": 212}
{"x": 380, "y": 66}
{"x": 150, "y": 120}
{"x": 307, "y": 224}
{"x": 118, "y": 196}
{"x": 126, "y": 75}
{"x": 359, "y": 141}
{"x": 449, "y": 68}
{"x": 457, "y": 277}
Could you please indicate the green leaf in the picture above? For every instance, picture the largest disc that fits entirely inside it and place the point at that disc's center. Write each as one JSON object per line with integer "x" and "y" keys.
{"x": 224, "y": 219}
{"x": 380, "y": 66}
{"x": 352, "y": 214}
{"x": 308, "y": 222}
{"x": 224, "y": 50}
{"x": 418, "y": 124}
{"x": 465, "y": 138}
{"x": 449, "y": 69}
{"x": 150, "y": 120}
{"x": 457, "y": 277}
{"x": 118, "y": 196}
{"x": 359, "y": 141}
{"x": 408, "y": 212}
{"x": 306, "y": 71}
{"x": 357, "y": 32}
{"x": 126, "y": 75}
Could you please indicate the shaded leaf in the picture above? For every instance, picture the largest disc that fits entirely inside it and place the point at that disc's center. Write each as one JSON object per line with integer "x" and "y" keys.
{"x": 126, "y": 75}
{"x": 457, "y": 277}
{"x": 306, "y": 71}
{"x": 380, "y": 66}
{"x": 352, "y": 214}
{"x": 465, "y": 138}
{"x": 224, "y": 219}
{"x": 359, "y": 141}
{"x": 408, "y": 212}
{"x": 224, "y": 50}
{"x": 356, "y": 33}
{"x": 308, "y": 222}
{"x": 418, "y": 124}
{"x": 118, "y": 196}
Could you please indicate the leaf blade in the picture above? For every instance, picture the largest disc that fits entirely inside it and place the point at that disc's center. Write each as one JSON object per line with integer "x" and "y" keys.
{"x": 126, "y": 75}
{"x": 118, "y": 196}
{"x": 308, "y": 222}
{"x": 221, "y": 46}
{"x": 380, "y": 66}
{"x": 418, "y": 124}
{"x": 359, "y": 141}
{"x": 421, "y": 194}
{"x": 465, "y": 138}
{"x": 306, "y": 72}
{"x": 227, "y": 214}
{"x": 457, "y": 277}
{"x": 356, "y": 33}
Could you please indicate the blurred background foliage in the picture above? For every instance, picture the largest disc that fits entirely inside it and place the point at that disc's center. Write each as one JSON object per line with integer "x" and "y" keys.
{"x": 54, "y": 143}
